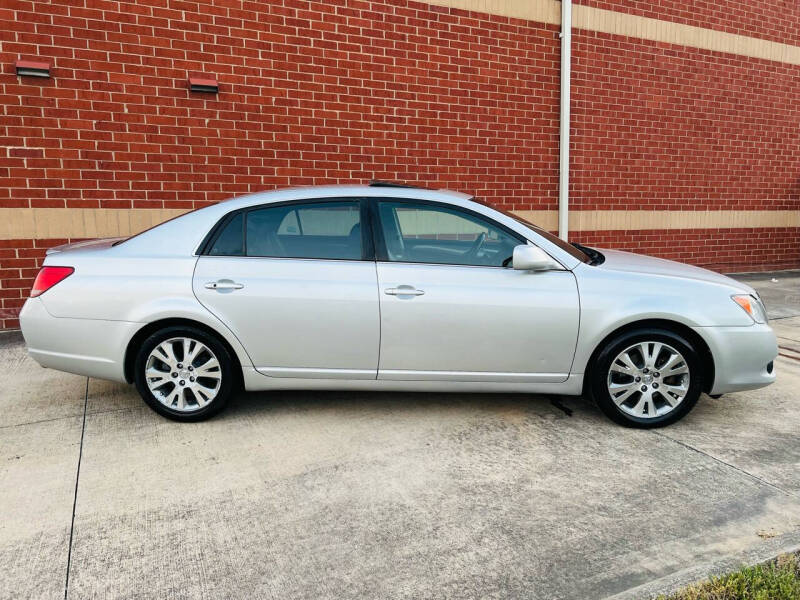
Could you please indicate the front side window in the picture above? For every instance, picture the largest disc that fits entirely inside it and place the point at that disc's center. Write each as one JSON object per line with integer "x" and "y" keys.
{"x": 325, "y": 230}
{"x": 553, "y": 239}
{"x": 429, "y": 233}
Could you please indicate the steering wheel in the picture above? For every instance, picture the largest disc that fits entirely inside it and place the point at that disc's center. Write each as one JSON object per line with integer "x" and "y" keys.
{"x": 476, "y": 245}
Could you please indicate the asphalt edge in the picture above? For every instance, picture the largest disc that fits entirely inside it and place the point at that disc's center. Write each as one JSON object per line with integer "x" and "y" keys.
{"x": 669, "y": 584}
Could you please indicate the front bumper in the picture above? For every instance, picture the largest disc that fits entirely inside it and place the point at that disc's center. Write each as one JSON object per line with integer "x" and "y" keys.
{"x": 91, "y": 347}
{"x": 742, "y": 356}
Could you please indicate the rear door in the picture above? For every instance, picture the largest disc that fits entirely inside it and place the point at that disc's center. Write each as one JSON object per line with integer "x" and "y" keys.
{"x": 296, "y": 283}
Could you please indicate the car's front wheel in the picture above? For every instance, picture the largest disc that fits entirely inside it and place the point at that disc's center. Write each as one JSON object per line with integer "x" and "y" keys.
{"x": 184, "y": 373}
{"x": 647, "y": 378}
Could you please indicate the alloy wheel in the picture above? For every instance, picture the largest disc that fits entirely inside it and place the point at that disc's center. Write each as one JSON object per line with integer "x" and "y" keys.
{"x": 648, "y": 379}
{"x": 183, "y": 374}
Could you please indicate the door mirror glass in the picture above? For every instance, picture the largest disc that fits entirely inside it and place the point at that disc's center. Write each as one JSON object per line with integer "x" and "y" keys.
{"x": 532, "y": 258}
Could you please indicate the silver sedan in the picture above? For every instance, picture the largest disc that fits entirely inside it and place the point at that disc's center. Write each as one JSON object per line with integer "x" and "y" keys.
{"x": 387, "y": 287}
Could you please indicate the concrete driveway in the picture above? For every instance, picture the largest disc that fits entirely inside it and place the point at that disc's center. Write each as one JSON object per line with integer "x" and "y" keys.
{"x": 341, "y": 495}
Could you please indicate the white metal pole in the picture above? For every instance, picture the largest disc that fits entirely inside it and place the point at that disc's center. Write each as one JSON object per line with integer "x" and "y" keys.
{"x": 563, "y": 150}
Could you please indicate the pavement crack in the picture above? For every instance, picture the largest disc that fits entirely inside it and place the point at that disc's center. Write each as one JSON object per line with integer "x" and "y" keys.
{"x": 37, "y": 422}
{"x": 727, "y": 464}
{"x": 75, "y": 497}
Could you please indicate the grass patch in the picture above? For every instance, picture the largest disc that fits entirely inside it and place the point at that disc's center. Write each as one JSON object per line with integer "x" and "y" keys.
{"x": 778, "y": 580}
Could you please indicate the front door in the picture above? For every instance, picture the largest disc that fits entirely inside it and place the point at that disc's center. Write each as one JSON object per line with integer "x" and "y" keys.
{"x": 453, "y": 309}
{"x": 295, "y": 285}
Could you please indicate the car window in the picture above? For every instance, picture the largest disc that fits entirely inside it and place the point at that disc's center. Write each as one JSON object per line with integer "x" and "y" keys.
{"x": 230, "y": 241}
{"x": 429, "y": 233}
{"x": 555, "y": 240}
{"x": 290, "y": 225}
{"x": 329, "y": 230}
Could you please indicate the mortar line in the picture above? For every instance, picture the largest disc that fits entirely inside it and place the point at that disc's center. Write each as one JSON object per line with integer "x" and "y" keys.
{"x": 75, "y": 497}
{"x": 727, "y": 464}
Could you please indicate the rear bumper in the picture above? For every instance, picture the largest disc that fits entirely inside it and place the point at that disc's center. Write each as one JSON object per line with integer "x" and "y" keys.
{"x": 742, "y": 356}
{"x": 90, "y": 347}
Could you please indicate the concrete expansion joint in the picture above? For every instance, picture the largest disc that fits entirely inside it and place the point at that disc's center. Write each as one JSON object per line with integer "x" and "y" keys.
{"x": 727, "y": 464}
{"x": 75, "y": 497}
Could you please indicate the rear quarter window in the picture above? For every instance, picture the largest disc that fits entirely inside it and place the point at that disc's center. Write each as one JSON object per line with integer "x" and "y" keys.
{"x": 230, "y": 241}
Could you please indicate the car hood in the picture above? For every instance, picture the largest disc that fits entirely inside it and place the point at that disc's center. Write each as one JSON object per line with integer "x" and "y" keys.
{"x": 617, "y": 260}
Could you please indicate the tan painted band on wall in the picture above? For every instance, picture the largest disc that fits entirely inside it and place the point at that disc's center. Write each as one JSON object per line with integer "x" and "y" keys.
{"x": 52, "y": 223}
{"x": 633, "y": 220}
{"x": 606, "y": 21}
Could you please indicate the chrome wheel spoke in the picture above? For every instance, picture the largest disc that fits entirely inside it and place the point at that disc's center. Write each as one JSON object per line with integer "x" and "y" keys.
{"x": 675, "y": 365}
{"x": 175, "y": 397}
{"x": 627, "y": 366}
{"x": 620, "y": 392}
{"x": 673, "y": 402}
{"x": 207, "y": 369}
{"x": 209, "y": 391}
{"x": 638, "y": 408}
{"x": 165, "y": 352}
{"x": 202, "y": 396}
{"x": 191, "y": 349}
{"x": 156, "y": 378}
{"x": 650, "y": 352}
{"x": 170, "y": 387}
{"x": 678, "y": 390}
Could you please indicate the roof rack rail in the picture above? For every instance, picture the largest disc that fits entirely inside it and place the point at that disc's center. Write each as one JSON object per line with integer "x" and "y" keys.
{"x": 391, "y": 184}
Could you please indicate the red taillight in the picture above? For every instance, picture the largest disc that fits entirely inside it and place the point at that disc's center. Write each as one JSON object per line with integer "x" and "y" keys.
{"x": 48, "y": 277}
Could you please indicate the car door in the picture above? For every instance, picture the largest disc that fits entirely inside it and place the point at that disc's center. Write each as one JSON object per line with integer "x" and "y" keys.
{"x": 452, "y": 308}
{"x": 296, "y": 283}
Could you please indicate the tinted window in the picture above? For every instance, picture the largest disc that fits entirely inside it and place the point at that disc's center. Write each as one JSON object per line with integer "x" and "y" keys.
{"x": 329, "y": 230}
{"x": 230, "y": 241}
{"x": 565, "y": 246}
{"x": 437, "y": 234}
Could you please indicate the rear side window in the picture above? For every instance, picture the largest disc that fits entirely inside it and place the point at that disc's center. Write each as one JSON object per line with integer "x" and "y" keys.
{"x": 324, "y": 230}
{"x": 230, "y": 241}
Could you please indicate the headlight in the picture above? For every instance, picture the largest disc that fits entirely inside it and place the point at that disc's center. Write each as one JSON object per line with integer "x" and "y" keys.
{"x": 752, "y": 306}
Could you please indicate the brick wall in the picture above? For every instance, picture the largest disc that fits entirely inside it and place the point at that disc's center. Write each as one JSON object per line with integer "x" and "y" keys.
{"x": 347, "y": 91}
{"x": 664, "y": 127}
{"x": 311, "y": 93}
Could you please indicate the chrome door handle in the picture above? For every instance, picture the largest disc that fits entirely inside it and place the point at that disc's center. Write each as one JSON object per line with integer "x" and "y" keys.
{"x": 403, "y": 290}
{"x": 224, "y": 284}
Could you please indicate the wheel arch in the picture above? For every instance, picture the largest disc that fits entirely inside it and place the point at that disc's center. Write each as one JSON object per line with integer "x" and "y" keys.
{"x": 673, "y": 326}
{"x": 150, "y": 328}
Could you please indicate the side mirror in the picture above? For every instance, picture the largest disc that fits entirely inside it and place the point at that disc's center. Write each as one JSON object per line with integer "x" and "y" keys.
{"x": 532, "y": 258}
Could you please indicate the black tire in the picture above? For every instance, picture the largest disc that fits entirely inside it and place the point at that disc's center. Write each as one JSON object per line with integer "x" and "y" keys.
{"x": 599, "y": 373}
{"x": 226, "y": 384}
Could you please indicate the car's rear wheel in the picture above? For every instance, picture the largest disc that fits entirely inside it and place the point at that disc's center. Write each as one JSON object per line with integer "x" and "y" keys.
{"x": 647, "y": 378}
{"x": 184, "y": 373}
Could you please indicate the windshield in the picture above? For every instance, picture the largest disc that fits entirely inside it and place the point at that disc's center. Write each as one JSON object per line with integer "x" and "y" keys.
{"x": 565, "y": 246}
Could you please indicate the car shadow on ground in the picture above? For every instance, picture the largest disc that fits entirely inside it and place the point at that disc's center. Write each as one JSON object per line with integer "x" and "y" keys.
{"x": 253, "y": 404}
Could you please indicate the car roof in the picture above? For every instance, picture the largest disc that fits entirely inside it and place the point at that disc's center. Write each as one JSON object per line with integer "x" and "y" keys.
{"x": 182, "y": 235}
{"x": 342, "y": 191}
